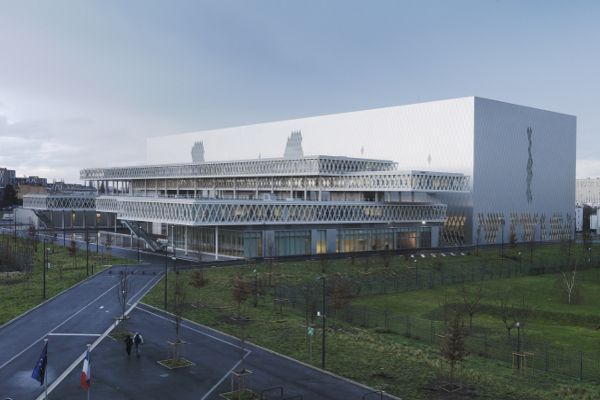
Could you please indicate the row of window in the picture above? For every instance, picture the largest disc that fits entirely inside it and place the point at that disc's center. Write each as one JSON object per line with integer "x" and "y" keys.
{"x": 240, "y": 243}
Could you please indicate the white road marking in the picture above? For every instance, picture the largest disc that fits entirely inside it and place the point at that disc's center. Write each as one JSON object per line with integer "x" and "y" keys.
{"x": 212, "y": 389}
{"x": 195, "y": 330}
{"x": 101, "y": 307}
{"x": 56, "y": 327}
{"x": 74, "y": 334}
{"x": 79, "y": 359}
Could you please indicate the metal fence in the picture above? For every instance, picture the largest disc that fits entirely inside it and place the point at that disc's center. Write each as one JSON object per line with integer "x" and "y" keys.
{"x": 541, "y": 356}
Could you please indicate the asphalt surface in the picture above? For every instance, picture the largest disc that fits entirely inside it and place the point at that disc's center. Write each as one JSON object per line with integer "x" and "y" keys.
{"x": 86, "y": 313}
{"x": 69, "y": 322}
{"x": 215, "y": 355}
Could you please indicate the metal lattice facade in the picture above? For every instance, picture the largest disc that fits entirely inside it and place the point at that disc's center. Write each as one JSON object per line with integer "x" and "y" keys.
{"x": 312, "y": 165}
{"x": 376, "y": 181}
{"x": 587, "y": 191}
{"x": 59, "y": 202}
{"x": 207, "y": 212}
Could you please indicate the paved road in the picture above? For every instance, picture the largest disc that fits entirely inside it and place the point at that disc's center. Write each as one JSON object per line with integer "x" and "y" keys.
{"x": 69, "y": 321}
{"x": 215, "y": 355}
{"x": 85, "y": 314}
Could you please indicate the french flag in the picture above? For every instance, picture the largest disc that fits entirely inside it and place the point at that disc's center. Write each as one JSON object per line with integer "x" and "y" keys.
{"x": 86, "y": 372}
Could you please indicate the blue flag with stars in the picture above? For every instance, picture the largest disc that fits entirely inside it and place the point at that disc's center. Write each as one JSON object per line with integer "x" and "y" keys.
{"x": 39, "y": 371}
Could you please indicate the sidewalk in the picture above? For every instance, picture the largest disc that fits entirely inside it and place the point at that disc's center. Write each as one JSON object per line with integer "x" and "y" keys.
{"x": 116, "y": 376}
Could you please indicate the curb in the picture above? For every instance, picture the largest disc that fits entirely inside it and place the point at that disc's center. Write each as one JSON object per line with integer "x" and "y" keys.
{"x": 13, "y": 320}
{"x": 332, "y": 374}
{"x": 93, "y": 345}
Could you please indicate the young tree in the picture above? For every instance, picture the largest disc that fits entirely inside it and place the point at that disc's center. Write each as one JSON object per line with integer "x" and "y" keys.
{"x": 73, "y": 251}
{"x": 569, "y": 282}
{"x": 108, "y": 243}
{"x": 471, "y": 297}
{"x": 178, "y": 303}
{"x": 341, "y": 293}
{"x": 125, "y": 288}
{"x": 198, "y": 278}
{"x": 32, "y": 236}
{"x": 386, "y": 257}
{"x": 453, "y": 344}
{"x": 506, "y": 312}
{"x": 240, "y": 292}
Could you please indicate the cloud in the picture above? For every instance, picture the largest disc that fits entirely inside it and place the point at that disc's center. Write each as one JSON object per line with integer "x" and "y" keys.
{"x": 59, "y": 149}
{"x": 588, "y": 168}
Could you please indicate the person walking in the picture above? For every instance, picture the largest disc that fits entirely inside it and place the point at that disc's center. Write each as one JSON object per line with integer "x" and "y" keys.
{"x": 138, "y": 340}
{"x": 128, "y": 344}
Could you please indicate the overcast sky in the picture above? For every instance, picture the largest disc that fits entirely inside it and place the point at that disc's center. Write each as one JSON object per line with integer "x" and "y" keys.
{"x": 84, "y": 83}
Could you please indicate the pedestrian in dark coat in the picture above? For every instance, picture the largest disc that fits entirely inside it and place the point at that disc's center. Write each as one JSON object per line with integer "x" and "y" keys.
{"x": 128, "y": 344}
{"x": 137, "y": 340}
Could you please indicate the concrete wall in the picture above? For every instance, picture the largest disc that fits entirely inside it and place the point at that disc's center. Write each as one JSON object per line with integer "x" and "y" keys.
{"x": 501, "y": 155}
{"x": 428, "y": 136}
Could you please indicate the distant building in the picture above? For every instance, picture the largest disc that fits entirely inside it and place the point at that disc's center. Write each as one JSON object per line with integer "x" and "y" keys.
{"x": 587, "y": 191}
{"x": 32, "y": 181}
{"x": 444, "y": 173}
{"x": 7, "y": 177}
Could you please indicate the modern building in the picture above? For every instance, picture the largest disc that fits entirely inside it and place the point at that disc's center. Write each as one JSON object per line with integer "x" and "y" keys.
{"x": 588, "y": 192}
{"x": 444, "y": 173}
{"x": 7, "y": 177}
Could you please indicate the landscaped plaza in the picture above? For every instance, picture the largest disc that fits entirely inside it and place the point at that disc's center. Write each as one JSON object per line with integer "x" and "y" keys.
{"x": 385, "y": 317}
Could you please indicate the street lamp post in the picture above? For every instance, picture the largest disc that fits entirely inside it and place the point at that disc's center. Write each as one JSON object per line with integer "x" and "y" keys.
{"x": 416, "y": 273}
{"x": 518, "y": 326}
{"x": 166, "y": 275}
{"x": 589, "y": 255}
{"x": 44, "y": 267}
{"x": 502, "y": 243}
{"x": 87, "y": 253}
{"x": 520, "y": 263}
{"x": 322, "y": 315}
{"x": 255, "y": 288}
{"x": 477, "y": 242}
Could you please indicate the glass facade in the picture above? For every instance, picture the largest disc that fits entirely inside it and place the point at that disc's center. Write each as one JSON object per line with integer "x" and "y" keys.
{"x": 321, "y": 241}
{"x": 291, "y": 243}
{"x": 236, "y": 243}
{"x": 242, "y": 243}
{"x": 349, "y": 240}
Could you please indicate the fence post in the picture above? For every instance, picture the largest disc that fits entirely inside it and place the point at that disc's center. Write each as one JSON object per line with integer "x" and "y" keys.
{"x": 485, "y": 345}
{"x": 580, "y": 365}
{"x": 386, "y": 322}
{"x": 431, "y": 331}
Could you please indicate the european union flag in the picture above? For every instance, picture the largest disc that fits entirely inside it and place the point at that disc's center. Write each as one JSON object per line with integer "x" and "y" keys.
{"x": 39, "y": 371}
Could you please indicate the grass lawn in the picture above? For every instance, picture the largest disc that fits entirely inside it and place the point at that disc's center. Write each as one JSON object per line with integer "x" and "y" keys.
{"x": 387, "y": 359}
{"x": 19, "y": 292}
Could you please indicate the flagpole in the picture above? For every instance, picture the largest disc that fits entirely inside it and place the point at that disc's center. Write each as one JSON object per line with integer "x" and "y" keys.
{"x": 46, "y": 374}
{"x": 89, "y": 377}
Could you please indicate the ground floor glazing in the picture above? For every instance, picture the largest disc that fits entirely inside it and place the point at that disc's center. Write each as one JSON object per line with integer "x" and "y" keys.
{"x": 293, "y": 241}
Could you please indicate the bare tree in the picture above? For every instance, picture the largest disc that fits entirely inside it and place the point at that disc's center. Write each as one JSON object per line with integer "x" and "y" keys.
{"x": 386, "y": 257}
{"x": 108, "y": 243}
{"x": 73, "y": 251}
{"x": 569, "y": 282}
{"x": 178, "y": 303}
{"x": 198, "y": 278}
{"x": 506, "y": 311}
{"x": 240, "y": 292}
{"x": 453, "y": 345}
{"x": 125, "y": 288}
{"x": 511, "y": 313}
{"x": 471, "y": 298}
{"x": 32, "y": 236}
{"x": 341, "y": 293}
